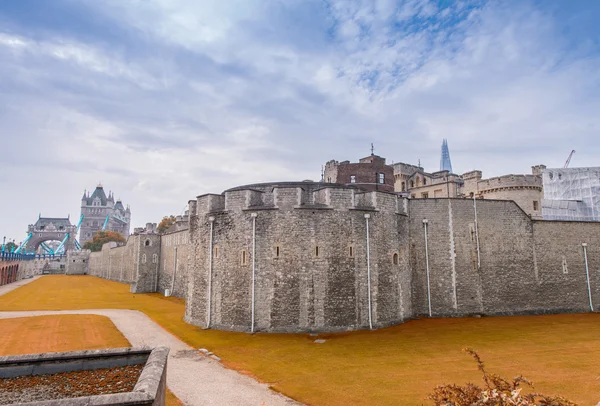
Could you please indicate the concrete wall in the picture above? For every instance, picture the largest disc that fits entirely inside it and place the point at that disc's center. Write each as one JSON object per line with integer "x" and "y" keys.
{"x": 299, "y": 289}
{"x": 521, "y": 260}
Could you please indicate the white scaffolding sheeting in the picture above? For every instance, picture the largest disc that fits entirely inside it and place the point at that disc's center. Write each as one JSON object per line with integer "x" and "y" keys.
{"x": 571, "y": 194}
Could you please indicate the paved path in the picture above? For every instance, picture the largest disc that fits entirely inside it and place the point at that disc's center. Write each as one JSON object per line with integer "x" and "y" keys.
{"x": 4, "y": 289}
{"x": 193, "y": 378}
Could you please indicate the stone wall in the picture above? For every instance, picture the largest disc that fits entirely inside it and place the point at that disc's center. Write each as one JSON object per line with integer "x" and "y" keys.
{"x": 307, "y": 245}
{"x": 136, "y": 263}
{"x": 78, "y": 262}
{"x": 520, "y": 260}
{"x": 310, "y": 263}
{"x": 173, "y": 272}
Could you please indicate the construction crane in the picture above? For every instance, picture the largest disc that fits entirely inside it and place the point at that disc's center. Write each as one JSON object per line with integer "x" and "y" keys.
{"x": 569, "y": 159}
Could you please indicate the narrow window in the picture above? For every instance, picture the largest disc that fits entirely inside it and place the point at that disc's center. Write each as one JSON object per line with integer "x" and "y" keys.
{"x": 277, "y": 251}
{"x": 143, "y": 258}
{"x": 412, "y": 183}
{"x": 425, "y": 181}
{"x": 216, "y": 252}
{"x": 382, "y": 178}
{"x": 351, "y": 252}
{"x": 535, "y": 205}
{"x": 352, "y": 178}
{"x": 155, "y": 259}
{"x": 395, "y": 259}
{"x": 425, "y": 195}
{"x": 243, "y": 257}
{"x": 403, "y": 186}
{"x": 317, "y": 251}
{"x": 147, "y": 243}
{"x": 84, "y": 261}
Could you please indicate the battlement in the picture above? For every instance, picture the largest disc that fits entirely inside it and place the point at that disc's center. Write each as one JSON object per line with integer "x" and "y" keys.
{"x": 472, "y": 175}
{"x": 510, "y": 181}
{"x": 297, "y": 195}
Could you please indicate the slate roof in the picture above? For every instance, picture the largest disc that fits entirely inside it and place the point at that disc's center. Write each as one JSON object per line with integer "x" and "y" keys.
{"x": 99, "y": 192}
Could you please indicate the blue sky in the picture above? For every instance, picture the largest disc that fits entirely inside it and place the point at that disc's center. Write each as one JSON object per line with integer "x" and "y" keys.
{"x": 163, "y": 100}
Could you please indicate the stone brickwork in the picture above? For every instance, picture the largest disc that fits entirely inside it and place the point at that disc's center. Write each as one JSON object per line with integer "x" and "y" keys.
{"x": 136, "y": 263}
{"x": 310, "y": 262}
{"x": 77, "y": 262}
{"x": 173, "y": 272}
{"x": 306, "y": 244}
{"x": 520, "y": 260}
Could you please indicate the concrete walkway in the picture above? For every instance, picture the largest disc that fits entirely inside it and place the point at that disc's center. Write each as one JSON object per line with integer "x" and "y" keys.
{"x": 4, "y": 289}
{"x": 193, "y": 378}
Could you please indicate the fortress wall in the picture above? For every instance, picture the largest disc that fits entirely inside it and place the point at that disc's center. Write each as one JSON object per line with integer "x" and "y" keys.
{"x": 561, "y": 264}
{"x": 77, "y": 262}
{"x": 173, "y": 271}
{"x": 134, "y": 263}
{"x": 299, "y": 290}
{"x": 519, "y": 259}
{"x": 523, "y": 197}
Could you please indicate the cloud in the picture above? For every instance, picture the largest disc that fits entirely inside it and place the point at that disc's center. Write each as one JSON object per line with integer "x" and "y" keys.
{"x": 163, "y": 100}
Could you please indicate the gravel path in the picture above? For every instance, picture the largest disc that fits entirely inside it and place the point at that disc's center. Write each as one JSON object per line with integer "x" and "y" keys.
{"x": 193, "y": 378}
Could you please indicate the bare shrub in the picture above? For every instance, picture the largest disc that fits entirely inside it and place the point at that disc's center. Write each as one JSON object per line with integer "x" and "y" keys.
{"x": 497, "y": 391}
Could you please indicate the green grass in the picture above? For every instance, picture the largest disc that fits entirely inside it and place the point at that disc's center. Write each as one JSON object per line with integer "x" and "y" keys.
{"x": 397, "y": 365}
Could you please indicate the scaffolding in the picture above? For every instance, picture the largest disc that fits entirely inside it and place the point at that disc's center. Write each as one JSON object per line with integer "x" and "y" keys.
{"x": 571, "y": 194}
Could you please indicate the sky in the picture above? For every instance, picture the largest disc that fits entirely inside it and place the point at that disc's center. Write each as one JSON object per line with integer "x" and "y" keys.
{"x": 164, "y": 100}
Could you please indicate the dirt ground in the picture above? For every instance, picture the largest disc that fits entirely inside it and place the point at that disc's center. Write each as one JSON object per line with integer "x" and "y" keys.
{"x": 32, "y": 335}
{"x": 397, "y": 365}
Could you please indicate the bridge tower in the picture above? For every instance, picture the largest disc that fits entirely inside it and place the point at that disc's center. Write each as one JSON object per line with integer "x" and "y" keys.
{"x": 49, "y": 229}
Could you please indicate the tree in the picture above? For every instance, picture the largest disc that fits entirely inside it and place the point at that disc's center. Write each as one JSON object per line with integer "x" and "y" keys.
{"x": 10, "y": 246}
{"x": 165, "y": 223}
{"x": 101, "y": 238}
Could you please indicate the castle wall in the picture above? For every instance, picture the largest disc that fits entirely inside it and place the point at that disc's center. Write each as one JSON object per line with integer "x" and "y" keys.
{"x": 306, "y": 277}
{"x": 77, "y": 262}
{"x": 522, "y": 189}
{"x": 173, "y": 271}
{"x": 521, "y": 260}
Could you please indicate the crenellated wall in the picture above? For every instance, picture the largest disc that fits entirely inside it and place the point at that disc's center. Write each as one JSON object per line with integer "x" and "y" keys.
{"x": 310, "y": 261}
{"x": 136, "y": 262}
{"x": 306, "y": 245}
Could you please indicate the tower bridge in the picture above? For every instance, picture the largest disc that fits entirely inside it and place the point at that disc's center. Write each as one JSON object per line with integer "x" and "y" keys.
{"x": 48, "y": 229}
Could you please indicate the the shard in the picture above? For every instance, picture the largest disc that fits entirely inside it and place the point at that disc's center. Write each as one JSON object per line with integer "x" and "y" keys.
{"x": 445, "y": 163}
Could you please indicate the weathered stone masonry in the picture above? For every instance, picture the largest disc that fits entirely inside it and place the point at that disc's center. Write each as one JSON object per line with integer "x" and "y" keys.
{"x": 311, "y": 269}
{"x": 310, "y": 263}
{"x": 521, "y": 260}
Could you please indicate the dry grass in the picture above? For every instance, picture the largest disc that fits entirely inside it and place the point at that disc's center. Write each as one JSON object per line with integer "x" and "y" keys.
{"x": 69, "y": 332}
{"x": 398, "y": 365}
{"x": 32, "y": 335}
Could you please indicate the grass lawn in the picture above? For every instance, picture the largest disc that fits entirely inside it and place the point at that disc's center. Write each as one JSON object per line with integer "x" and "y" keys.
{"x": 397, "y": 365}
{"x": 69, "y": 332}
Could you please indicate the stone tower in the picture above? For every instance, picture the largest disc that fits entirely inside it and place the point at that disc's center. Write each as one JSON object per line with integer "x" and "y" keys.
{"x": 445, "y": 163}
{"x": 96, "y": 208}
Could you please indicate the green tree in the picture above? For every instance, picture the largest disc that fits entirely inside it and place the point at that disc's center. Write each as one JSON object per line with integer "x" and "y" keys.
{"x": 10, "y": 246}
{"x": 165, "y": 223}
{"x": 101, "y": 238}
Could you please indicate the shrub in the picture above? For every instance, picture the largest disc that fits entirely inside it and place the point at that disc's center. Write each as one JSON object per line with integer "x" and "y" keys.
{"x": 496, "y": 392}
